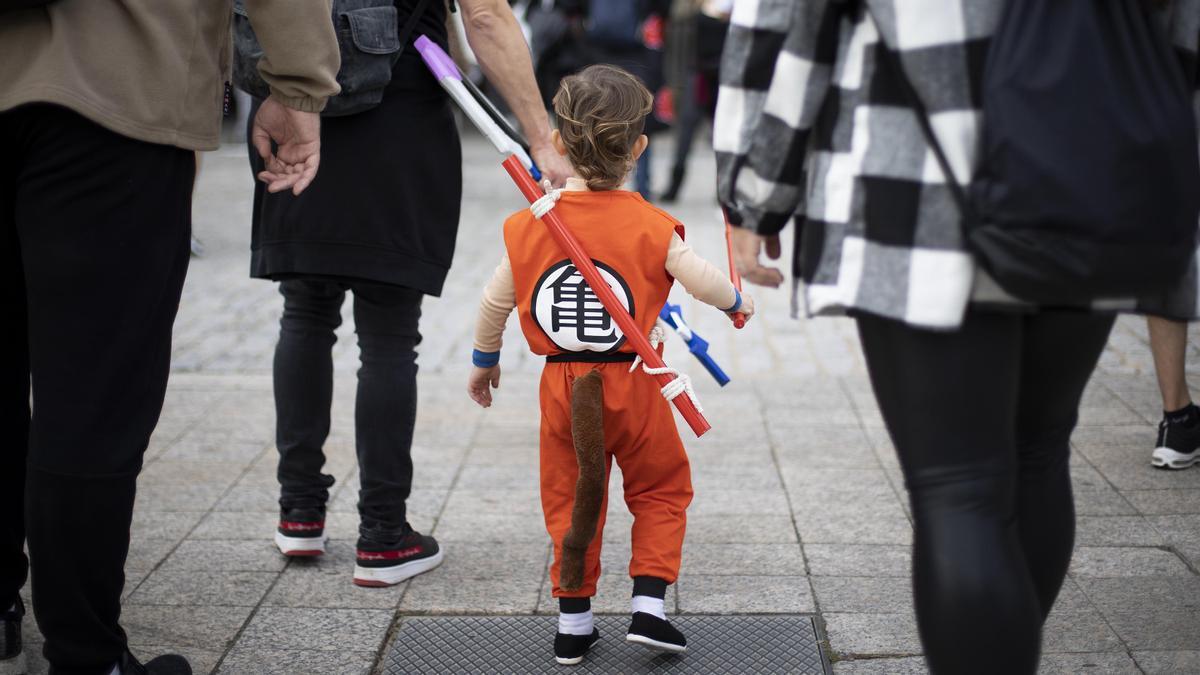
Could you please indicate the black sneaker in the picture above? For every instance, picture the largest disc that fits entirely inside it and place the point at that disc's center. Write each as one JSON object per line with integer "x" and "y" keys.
{"x": 657, "y": 634}
{"x": 167, "y": 664}
{"x": 301, "y": 532}
{"x": 570, "y": 649}
{"x": 12, "y": 657}
{"x": 389, "y": 564}
{"x": 1178, "y": 445}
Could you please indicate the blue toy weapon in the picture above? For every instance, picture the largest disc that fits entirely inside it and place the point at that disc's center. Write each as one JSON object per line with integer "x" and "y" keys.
{"x": 672, "y": 315}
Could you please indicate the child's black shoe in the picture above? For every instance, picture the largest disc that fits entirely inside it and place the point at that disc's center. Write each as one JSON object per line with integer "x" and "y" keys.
{"x": 569, "y": 649}
{"x": 658, "y": 634}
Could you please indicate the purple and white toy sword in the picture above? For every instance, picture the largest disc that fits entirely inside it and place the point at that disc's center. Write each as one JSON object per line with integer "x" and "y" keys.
{"x": 476, "y": 106}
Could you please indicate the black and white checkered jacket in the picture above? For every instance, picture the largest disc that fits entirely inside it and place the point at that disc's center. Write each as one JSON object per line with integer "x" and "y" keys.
{"x": 809, "y": 123}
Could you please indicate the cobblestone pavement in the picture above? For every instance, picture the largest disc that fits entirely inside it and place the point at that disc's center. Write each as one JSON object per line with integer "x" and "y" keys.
{"x": 799, "y": 503}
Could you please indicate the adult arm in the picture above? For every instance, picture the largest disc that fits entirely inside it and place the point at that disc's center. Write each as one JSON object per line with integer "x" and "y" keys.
{"x": 775, "y": 73}
{"x": 495, "y": 37}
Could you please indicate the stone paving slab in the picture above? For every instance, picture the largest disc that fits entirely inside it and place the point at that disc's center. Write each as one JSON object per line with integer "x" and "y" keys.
{"x": 800, "y": 505}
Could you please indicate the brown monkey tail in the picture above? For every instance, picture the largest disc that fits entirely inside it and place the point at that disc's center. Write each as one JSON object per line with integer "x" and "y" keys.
{"x": 587, "y": 431}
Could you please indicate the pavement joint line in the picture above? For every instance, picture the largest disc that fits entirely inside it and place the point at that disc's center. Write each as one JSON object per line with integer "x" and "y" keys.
{"x": 546, "y": 562}
{"x": 228, "y": 647}
{"x": 196, "y": 421}
{"x": 389, "y": 637}
{"x": 1104, "y": 475}
{"x": 899, "y": 491}
{"x": 1170, "y": 548}
{"x": 771, "y": 445}
{"x": 1125, "y": 403}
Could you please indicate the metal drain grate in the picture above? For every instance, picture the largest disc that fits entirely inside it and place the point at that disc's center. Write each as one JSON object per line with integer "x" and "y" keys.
{"x": 492, "y": 645}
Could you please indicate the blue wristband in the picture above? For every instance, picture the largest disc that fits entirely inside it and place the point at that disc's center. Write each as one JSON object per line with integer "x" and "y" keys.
{"x": 484, "y": 359}
{"x": 737, "y": 303}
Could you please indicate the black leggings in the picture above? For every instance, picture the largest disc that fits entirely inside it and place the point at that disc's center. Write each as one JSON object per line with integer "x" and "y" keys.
{"x": 385, "y": 408}
{"x": 981, "y": 419}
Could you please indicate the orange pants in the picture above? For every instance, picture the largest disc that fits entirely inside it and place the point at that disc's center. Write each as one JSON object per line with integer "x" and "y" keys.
{"x": 640, "y": 433}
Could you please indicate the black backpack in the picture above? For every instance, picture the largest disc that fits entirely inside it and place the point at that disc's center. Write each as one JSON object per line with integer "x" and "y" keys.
{"x": 1088, "y": 184}
{"x": 369, "y": 39}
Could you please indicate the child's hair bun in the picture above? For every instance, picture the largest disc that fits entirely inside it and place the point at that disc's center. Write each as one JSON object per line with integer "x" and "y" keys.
{"x": 601, "y": 112}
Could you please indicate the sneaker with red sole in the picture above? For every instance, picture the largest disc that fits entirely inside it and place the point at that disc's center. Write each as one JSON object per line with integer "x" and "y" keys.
{"x": 380, "y": 565}
{"x": 301, "y": 533}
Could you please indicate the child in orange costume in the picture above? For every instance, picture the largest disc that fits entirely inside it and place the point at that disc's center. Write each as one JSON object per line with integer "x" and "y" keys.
{"x": 593, "y": 409}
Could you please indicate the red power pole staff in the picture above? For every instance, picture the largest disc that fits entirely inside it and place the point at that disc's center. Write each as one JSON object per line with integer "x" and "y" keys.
{"x": 570, "y": 245}
{"x": 739, "y": 319}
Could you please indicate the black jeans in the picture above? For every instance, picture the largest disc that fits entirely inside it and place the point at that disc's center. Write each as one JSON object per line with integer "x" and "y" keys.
{"x": 94, "y": 234}
{"x": 385, "y": 319}
{"x": 981, "y": 419}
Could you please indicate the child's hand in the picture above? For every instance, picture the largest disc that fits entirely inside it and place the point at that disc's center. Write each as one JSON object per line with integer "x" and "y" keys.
{"x": 747, "y": 308}
{"x": 480, "y": 383}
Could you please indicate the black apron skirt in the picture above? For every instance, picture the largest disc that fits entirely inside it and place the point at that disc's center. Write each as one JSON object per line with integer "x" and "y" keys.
{"x": 385, "y": 203}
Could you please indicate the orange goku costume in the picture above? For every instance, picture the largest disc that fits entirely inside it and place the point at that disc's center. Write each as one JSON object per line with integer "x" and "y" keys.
{"x": 639, "y": 250}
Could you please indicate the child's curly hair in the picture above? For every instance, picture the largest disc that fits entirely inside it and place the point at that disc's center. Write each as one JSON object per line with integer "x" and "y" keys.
{"x": 601, "y": 112}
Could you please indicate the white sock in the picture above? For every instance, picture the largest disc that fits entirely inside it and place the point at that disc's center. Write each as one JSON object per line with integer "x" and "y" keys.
{"x": 649, "y": 605}
{"x": 581, "y": 623}
{"x": 116, "y": 670}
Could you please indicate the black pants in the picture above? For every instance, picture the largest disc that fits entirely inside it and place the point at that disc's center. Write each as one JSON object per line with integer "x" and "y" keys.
{"x": 385, "y": 319}
{"x": 981, "y": 419}
{"x": 94, "y": 229}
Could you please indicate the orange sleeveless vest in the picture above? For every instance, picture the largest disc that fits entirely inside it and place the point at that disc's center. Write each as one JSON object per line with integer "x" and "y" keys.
{"x": 628, "y": 240}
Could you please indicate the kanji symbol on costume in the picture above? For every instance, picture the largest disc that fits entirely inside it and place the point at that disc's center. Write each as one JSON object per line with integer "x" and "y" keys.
{"x": 569, "y": 312}
{"x": 576, "y": 306}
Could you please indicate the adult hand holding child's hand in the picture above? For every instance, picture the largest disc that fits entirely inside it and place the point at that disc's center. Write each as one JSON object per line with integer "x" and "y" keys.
{"x": 480, "y": 384}
{"x": 747, "y": 247}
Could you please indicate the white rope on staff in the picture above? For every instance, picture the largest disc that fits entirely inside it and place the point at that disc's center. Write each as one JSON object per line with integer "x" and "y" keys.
{"x": 542, "y": 205}
{"x": 680, "y": 385}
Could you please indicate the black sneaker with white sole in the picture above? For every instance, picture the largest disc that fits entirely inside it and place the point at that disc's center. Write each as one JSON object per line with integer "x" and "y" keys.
{"x": 657, "y": 634}
{"x": 301, "y": 532}
{"x": 387, "y": 564}
{"x": 167, "y": 664}
{"x": 569, "y": 649}
{"x": 12, "y": 656}
{"x": 1178, "y": 445}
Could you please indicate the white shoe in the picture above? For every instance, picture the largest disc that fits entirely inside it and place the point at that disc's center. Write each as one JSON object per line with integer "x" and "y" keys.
{"x": 1178, "y": 446}
{"x": 301, "y": 533}
{"x": 300, "y": 547}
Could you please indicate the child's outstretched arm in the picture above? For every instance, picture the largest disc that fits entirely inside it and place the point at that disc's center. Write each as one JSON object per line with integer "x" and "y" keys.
{"x": 499, "y": 299}
{"x": 704, "y": 281}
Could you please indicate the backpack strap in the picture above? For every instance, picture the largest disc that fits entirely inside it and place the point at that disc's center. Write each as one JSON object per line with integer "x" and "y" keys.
{"x": 411, "y": 25}
{"x": 892, "y": 59}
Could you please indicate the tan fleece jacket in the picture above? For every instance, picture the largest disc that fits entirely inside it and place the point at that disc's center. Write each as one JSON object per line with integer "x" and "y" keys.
{"x": 154, "y": 70}
{"x": 700, "y": 278}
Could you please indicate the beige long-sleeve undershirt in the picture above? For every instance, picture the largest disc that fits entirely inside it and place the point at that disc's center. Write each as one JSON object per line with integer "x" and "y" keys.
{"x": 700, "y": 278}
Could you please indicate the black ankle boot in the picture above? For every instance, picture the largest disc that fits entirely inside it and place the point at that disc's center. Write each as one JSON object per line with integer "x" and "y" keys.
{"x": 672, "y": 193}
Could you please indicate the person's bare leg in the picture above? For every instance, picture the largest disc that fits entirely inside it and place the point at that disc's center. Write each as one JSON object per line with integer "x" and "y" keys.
{"x": 1168, "y": 344}
{"x": 1178, "y": 444}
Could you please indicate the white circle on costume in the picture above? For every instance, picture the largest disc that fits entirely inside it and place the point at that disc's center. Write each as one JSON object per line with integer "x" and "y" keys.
{"x": 570, "y": 314}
